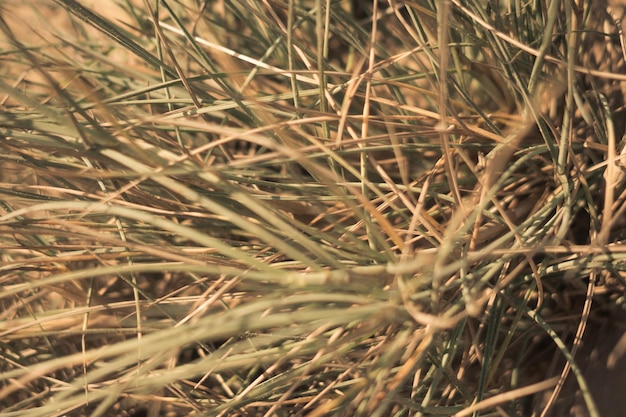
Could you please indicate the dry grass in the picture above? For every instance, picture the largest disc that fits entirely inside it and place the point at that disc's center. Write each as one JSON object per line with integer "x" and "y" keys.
{"x": 309, "y": 208}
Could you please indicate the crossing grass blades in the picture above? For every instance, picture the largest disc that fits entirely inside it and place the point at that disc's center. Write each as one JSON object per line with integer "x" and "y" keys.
{"x": 310, "y": 208}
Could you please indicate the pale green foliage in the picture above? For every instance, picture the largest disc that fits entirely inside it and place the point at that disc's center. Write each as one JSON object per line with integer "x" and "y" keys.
{"x": 295, "y": 207}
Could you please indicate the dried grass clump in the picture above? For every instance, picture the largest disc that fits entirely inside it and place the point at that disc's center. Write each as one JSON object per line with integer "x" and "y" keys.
{"x": 310, "y": 208}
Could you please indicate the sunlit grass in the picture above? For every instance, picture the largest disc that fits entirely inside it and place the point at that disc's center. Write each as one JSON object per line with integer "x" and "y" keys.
{"x": 305, "y": 207}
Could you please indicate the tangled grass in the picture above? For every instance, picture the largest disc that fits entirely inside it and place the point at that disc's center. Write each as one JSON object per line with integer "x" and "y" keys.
{"x": 308, "y": 207}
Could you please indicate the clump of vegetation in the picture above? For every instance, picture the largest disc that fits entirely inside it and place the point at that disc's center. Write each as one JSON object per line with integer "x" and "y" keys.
{"x": 306, "y": 207}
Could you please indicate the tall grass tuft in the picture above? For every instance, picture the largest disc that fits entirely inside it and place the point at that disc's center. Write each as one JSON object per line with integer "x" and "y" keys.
{"x": 307, "y": 207}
